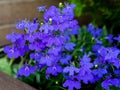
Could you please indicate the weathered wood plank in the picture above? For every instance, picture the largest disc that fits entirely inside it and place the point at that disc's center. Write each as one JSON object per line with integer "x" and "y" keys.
{"x": 13, "y": 10}
{"x": 4, "y": 31}
{"x": 9, "y": 83}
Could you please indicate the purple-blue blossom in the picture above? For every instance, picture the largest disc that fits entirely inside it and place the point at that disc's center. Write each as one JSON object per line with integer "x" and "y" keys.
{"x": 12, "y": 52}
{"x": 85, "y": 62}
{"x": 47, "y": 43}
{"x": 36, "y": 56}
{"x": 31, "y": 27}
{"x": 70, "y": 46}
{"x": 85, "y": 75}
{"x": 96, "y": 47}
{"x": 47, "y": 60}
{"x": 71, "y": 84}
{"x": 26, "y": 70}
{"x": 54, "y": 70}
{"x": 71, "y": 70}
{"x": 41, "y": 8}
{"x": 110, "y": 82}
{"x": 46, "y": 28}
{"x": 65, "y": 59}
{"x": 37, "y": 46}
{"x": 96, "y": 32}
{"x": 117, "y": 38}
{"x": 54, "y": 50}
{"x": 21, "y": 25}
{"x": 109, "y": 53}
{"x": 14, "y": 37}
{"x": 99, "y": 72}
{"x": 68, "y": 11}
{"x": 53, "y": 13}
{"x": 109, "y": 37}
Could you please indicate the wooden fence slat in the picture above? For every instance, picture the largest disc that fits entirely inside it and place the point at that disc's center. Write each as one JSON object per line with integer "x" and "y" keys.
{"x": 13, "y": 10}
{"x": 9, "y": 83}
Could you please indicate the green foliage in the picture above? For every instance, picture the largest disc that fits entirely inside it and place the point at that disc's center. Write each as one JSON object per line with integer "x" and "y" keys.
{"x": 103, "y": 12}
{"x": 79, "y": 8}
{"x": 39, "y": 81}
{"x": 4, "y": 66}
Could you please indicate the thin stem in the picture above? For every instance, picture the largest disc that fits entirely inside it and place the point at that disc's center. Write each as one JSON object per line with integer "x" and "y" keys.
{"x": 21, "y": 62}
{"x": 11, "y": 61}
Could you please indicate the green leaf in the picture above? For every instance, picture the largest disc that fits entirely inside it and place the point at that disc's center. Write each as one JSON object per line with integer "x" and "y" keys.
{"x": 38, "y": 78}
{"x": 104, "y": 32}
{"x": 4, "y": 66}
{"x": 114, "y": 88}
{"x": 98, "y": 87}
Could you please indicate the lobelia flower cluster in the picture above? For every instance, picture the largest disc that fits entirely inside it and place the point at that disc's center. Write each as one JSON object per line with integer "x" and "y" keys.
{"x": 48, "y": 44}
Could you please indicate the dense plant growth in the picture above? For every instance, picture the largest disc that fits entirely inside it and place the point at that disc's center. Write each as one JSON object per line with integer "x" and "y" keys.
{"x": 56, "y": 52}
{"x": 103, "y": 12}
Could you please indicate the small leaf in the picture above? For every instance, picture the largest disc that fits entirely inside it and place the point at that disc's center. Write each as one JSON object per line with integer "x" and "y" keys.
{"x": 4, "y": 66}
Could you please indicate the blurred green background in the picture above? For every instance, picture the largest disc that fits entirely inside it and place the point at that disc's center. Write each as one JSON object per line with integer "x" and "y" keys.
{"x": 101, "y": 12}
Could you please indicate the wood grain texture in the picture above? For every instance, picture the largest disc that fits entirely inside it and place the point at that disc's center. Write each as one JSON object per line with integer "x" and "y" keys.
{"x": 9, "y": 83}
{"x": 4, "y": 31}
{"x": 13, "y": 10}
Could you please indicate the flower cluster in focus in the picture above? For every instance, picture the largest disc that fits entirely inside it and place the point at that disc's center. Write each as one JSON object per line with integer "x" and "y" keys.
{"x": 58, "y": 45}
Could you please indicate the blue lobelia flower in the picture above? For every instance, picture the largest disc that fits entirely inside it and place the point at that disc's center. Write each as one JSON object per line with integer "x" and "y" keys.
{"x": 117, "y": 38}
{"x": 98, "y": 41}
{"x": 102, "y": 51}
{"x": 32, "y": 27}
{"x": 57, "y": 41}
{"x": 95, "y": 32}
{"x": 109, "y": 53}
{"x": 14, "y": 37}
{"x": 71, "y": 70}
{"x": 117, "y": 72}
{"x": 64, "y": 26}
{"x": 96, "y": 47}
{"x": 35, "y": 20}
{"x": 71, "y": 84}
{"x": 47, "y": 60}
{"x": 112, "y": 53}
{"x": 85, "y": 75}
{"x": 37, "y": 46}
{"x": 68, "y": 11}
{"x": 74, "y": 30}
{"x": 106, "y": 83}
{"x": 12, "y": 52}
{"x": 41, "y": 8}
{"x": 69, "y": 46}
{"x": 110, "y": 82}
{"x": 26, "y": 70}
{"x": 65, "y": 59}
{"x": 99, "y": 72}
{"x": 46, "y": 28}
{"x": 54, "y": 50}
{"x": 116, "y": 82}
{"x": 53, "y": 13}
{"x": 54, "y": 70}
{"x": 90, "y": 28}
{"x": 116, "y": 62}
{"x": 21, "y": 25}
{"x": 85, "y": 62}
{"x": 31, "y": 37}
{"x": 109, "y": 37}
{"x": 36, "y": 56}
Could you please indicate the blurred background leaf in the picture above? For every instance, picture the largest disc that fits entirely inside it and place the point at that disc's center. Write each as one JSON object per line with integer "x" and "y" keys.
{"x": 103, "y": 12}
{"x": 4, "y": 66}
